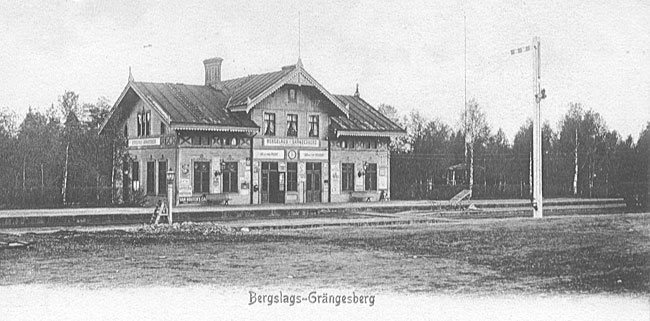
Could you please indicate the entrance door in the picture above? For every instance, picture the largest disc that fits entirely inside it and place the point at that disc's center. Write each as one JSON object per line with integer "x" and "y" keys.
{"x": 313, "y": 182}
{"x": 272, "y": 183}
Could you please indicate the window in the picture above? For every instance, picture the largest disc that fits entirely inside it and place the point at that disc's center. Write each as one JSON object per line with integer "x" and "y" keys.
{"x": 292, "y": 177}
{"x": 313, "y": 126}
{"x": 269, "y": 124}
{"x": 351, "y": 143}
{"x": 163, "y": 128}
{"x": 292, "y": 125}
{"x": 126, "y": 131}
{"x": 292, "y": 95}
{"x": 162, "y": 178}
{"x": 201, "y": 177}
{"x": 135, "y": 175}
{"x": 139, "y": 118}
{"x": 371, "y": 177}
{"x": 347, "y": 177}
{"x": 230, "y": 177}
{"x": 144, "y": 123}
{"x": 151, "y": 178}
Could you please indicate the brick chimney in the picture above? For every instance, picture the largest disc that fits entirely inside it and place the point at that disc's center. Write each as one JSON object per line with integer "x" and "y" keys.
{"x": 213, "y": 72}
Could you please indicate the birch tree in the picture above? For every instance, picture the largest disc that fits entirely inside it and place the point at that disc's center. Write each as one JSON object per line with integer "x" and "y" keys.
{"x": 476, "y": 131}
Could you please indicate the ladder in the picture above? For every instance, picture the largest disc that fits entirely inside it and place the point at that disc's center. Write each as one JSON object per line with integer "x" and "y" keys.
{"x": 455, "y": 201}
{"x": 160, "y": 211}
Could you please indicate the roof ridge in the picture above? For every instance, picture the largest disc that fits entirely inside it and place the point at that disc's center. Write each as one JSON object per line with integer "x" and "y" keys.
{"x": 253, "y": 75}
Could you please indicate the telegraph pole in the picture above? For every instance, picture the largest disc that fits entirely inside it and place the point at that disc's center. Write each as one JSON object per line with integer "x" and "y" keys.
{"x": 537, "y": 132}
{"x": 539, "y": 94}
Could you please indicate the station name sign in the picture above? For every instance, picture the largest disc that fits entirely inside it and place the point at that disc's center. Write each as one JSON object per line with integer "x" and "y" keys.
{"x": 291, "y": 142}
{"x": 144, "y": 142}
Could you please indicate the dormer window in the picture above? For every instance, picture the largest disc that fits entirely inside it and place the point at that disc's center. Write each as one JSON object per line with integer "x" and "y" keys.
{"x": 292, "y": 95}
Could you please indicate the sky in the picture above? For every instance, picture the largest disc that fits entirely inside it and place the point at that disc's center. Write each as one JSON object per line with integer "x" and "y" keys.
{"x": 409, "y": 54}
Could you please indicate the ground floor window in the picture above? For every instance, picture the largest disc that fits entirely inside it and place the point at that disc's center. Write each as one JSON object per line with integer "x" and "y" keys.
{"x": 135, "y": 175}
{"x": 347, "y": 177}
{"x": 371, "y": 177}
{"x": 292, "y": 177}
{"x": 162, "y": 178}
{"x": 201, "y": 177}
{"x": 151, "y": 178}
{"x": 230, "y": 177}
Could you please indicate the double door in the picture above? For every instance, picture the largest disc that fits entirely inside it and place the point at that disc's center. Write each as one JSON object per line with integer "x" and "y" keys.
{"x": 313, "y": 184}
{"x": 272, "y": 183}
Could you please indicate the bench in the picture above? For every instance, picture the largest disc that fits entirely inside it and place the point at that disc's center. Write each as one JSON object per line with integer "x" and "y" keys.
{"x": 216, "y": 199}
{"x": 362, "y": 196}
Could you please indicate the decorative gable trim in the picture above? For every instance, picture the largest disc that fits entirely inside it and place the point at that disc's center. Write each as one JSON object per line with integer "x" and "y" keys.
{"x": 298, "y": 74}
{"x": 151, "y": 103}
{"x": 369, "y": 133}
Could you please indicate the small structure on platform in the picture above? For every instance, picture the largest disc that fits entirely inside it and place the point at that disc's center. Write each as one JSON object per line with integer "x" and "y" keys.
{"x": 457, "y": 174}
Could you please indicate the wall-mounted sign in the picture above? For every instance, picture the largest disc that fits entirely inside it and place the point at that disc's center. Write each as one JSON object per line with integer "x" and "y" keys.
{"x": 382, "y": 182}
{"x": 144, "y": 142}
{"x": 184, "y": 187}
{"x": 268, "y": 154}
{"x": 191, "y": 199}
{"x": 313, "y": 154}
{"x": 291, "y": 142}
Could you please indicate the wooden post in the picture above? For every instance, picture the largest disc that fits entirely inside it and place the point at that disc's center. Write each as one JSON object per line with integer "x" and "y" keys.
{"x": 170, "y": 196}
{"x": 537, "y": 134}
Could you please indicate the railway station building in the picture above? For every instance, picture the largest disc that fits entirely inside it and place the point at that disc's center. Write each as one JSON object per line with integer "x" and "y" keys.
{"x": 277, "y": 137}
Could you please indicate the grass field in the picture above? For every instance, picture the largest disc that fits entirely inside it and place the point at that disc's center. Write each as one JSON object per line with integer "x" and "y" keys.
{"x": 601, "y": 254}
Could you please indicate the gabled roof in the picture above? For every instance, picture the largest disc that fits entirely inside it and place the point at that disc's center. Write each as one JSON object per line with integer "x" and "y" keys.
{"x": 252, "y": 85}
{"x": 191, "y": 104}
{"x": 187, "y": 106}
{"x": 248, "y": 91}
{"x": 364, "y": 120}
{"x": 193, "y": 107}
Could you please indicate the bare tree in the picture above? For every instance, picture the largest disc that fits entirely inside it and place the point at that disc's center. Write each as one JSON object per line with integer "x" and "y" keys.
{"x": 476, "y": 131}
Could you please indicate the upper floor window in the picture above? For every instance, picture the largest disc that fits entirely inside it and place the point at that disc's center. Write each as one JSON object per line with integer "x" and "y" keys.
{"x": 269, "y": 124}
{"x": 144, "y": 123}
{"x": 292, "y": 125}
{"x": 313, "y": 126}
{"x": 163, "y": 128}
{"x": 293, "y": 96}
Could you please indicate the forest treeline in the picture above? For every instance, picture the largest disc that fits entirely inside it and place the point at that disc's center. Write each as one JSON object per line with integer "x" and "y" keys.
{"x": 582, "y": 157}
{"x": 56, "y": 157}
